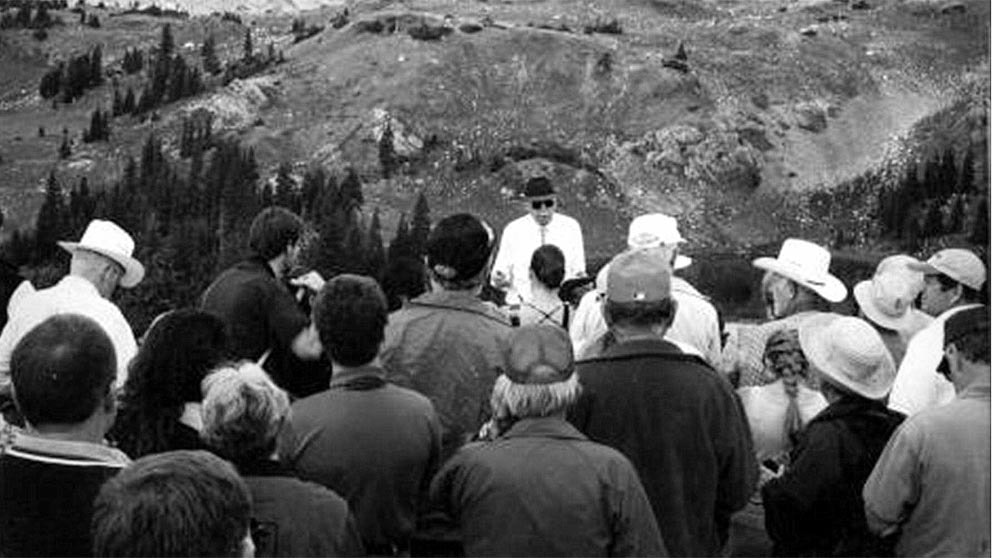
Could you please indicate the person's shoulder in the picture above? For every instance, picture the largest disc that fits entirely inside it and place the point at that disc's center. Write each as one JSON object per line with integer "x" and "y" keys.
{"x": 516, "y": 224}
{"x": 411, "y": 398}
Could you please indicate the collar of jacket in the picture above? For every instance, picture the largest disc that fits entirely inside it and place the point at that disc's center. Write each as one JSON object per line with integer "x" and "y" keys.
{"x": 852, "y": 405}
{"x": 645, "y": 347}
{"x": 460, "y": 301}
{"x": 544, "y": 427}
{"x": 262, "y": 468}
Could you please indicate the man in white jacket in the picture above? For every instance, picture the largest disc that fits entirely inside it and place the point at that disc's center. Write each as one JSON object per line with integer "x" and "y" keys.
{"x": 953, "y": 280}
{"x": 542, "y": 225}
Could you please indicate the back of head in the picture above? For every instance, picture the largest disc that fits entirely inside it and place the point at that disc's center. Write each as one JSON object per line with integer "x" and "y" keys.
{"x": 62, "y": 370}
{"x": 968, "y": 331}
{"x": 405, "y": 276}
{"x": 350, "y": 314}
{"x": 179, "y": 503}
{"x": 272, "y": 230}
{"x": 540, "y": 379}
{"x": 548, "y": 265}
{"x": 178, "y": 351}
{"x": 243, "y": 411}
{"x": 459, "y": 248}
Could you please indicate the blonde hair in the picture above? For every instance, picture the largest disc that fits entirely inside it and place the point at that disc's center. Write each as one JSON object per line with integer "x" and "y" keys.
{"x": 520, "y": 401}
{"x": 243, "y": 411}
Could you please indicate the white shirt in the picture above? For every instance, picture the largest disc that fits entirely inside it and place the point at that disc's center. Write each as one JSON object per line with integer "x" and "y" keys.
{"x": 918, "y": 386}
{"x": 522, "y": 236}
{"x": 71, "y": 295}
{"x": 696, "y": 323}
{"x": 766, "y": 407}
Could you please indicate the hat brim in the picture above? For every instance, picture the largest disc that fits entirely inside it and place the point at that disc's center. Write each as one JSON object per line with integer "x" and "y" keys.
{"x": 134, "y": 272}
{"x": 825, "y": 285}
{"x": 681, "y": 262}
{"x": 813, "y": 339}
{"x": 862, "y": 295}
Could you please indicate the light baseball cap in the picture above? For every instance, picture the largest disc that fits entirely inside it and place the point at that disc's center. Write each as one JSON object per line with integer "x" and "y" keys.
{"x": 957, "y": 263}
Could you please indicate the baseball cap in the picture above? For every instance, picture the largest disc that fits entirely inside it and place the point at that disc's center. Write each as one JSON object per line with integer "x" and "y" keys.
{"x": 957, "y": 263}
{"x": 639, "y": 276}
{"x": 972, "y": 320}
{"x": 656, "y": 229}
{"x": 459, "y": 246}
{"x": 540, "y": 354}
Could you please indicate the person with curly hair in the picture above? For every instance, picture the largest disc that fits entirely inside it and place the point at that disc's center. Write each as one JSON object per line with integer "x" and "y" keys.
{"x": 160, "y": 407}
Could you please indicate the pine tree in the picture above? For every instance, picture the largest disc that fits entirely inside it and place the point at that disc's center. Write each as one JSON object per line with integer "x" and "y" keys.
{"x": 948, "y": 174}
{"x": 51, "y": 82}
{"x": 128, "y": 106}
{"x": 42, "y": 19}
{"x": 93, "y": 21}
{"x": 65, "y": 149}
{"x": 49, "y": 225}
{"x": 955, "y": 217}
{"x": 966, "y": 178}
{"x": 285, "y": 188}
{"x": 96, "y": 66}
{"x": 208, "y": 52}
{"x": 248, "y": 53}
{"x": 420, "y": 226}
{"x": 314, "y": 180}
{"x": 376, "y": 254}
{"x": 932, "y": 221}
{"x": 980, "y": 228}
{"x": 166, "y": 44}
{"x": 387, "y": 152}
{"x": 351, "y": 191}
{"x": 399, "y": 246}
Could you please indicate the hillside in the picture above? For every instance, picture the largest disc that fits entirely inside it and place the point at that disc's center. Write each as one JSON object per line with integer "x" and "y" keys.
{"x": 775, "y": 100}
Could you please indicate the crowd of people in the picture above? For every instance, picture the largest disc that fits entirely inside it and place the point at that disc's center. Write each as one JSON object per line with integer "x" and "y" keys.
{"x": 289, "y": 415}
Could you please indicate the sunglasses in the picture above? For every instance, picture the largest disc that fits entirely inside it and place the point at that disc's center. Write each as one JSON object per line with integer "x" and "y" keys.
{"x": 541, "y": 204}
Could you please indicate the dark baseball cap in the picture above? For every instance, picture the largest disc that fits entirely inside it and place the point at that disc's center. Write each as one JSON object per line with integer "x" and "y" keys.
{"x": 540, "y": 354}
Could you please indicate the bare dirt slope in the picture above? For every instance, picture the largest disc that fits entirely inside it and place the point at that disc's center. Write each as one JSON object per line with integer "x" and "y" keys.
{"x": 775, "y": 97}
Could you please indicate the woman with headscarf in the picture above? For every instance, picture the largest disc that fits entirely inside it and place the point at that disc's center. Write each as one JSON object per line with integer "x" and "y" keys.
{"x": 160, "y": 406}
{"x": 243, "y": 413}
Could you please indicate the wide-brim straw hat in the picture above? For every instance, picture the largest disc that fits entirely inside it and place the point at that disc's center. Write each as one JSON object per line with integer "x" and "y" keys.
{"x": 848, "y": 352}
{"x": 887, "y": 300}
{"x": 807, "y": 264}
{"x": 110, "y": 241}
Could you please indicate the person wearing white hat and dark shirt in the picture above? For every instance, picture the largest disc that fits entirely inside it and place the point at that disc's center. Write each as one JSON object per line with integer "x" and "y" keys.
{"x": 542, "y": 225}
{"x": 696, "y": 328}
{"x": 537, "y": 486}
{"x": 101, "y": 261}
{"x": 953, "y": 282}
{"x": 813, "y": 507}
{"x": 886, "y": 301}
{"x": 930, "y": 488}
{"x": 797, "y": 285}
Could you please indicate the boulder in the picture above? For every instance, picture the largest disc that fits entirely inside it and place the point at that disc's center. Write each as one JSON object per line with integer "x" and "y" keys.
{"x": 811, "y": 116}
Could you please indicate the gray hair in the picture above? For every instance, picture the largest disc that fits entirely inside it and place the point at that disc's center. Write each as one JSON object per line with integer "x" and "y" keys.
{"x": 243, "y": 411}
{"x": 510, "y": 399}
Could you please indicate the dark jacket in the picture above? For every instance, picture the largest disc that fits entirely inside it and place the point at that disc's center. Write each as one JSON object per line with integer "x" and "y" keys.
{"x": 544, "y": 489}
{"x": 682, "y": 426}
{"x": 10, "y": 279}
{"x": 261, "y": 315}
{"x": 816, "y": 508}
{"x": 292, "y": 517}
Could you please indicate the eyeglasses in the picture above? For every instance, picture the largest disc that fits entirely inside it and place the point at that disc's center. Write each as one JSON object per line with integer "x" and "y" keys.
{"x": 541, "y": 204}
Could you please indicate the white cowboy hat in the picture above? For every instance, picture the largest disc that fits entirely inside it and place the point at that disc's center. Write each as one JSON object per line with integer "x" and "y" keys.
{"x": 848, "y": 352}
{"x": 887, "y": 300}
{"x": 656, "y": 229}
{"x": 808, "y": 264}
{"x": 111, "y": 241}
